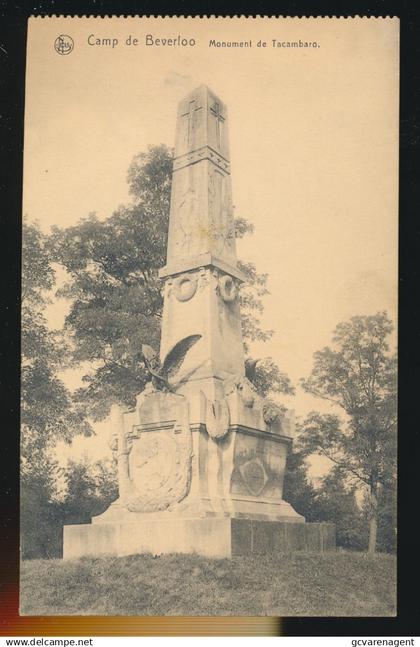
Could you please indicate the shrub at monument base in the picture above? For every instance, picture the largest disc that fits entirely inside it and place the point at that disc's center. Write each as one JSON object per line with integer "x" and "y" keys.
{"x": 337, "y": 584}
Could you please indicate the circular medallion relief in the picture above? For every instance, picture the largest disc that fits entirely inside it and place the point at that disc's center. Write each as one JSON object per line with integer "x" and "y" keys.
{"x": 185, "y": 287}
{"x": 227, "y": 288}
{"x": 254, "y": 476}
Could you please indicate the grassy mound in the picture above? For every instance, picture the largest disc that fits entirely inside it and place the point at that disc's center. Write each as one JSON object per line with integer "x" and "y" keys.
{"x": 334, "y": 584}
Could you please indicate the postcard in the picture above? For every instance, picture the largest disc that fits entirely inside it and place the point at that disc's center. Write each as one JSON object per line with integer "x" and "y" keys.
{"x": 209, "y": 309}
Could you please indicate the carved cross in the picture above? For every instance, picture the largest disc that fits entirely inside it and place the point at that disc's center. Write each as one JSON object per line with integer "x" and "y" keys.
{"x": 190, "y": 114}
{"x": 215, "y": 111}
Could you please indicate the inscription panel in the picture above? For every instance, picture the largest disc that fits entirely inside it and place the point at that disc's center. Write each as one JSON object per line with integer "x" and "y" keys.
{"x": 258, "y": 468}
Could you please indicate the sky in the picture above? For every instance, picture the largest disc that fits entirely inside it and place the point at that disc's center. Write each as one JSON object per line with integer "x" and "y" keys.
{"x": 314, "y": 155}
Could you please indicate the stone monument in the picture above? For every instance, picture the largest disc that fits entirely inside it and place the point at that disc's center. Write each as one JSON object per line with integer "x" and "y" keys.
{"x": 200, "y": 468}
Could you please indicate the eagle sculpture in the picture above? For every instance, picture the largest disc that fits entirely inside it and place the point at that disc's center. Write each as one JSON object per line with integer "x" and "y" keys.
{"x": 160, "y": 373}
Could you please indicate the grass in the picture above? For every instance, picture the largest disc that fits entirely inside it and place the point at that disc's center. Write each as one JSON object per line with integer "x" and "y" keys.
{"x": 299, "y": 584}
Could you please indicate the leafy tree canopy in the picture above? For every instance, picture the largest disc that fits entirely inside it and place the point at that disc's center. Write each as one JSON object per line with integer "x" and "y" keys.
{"x": 359, "y": 375}
{"x": 336, "y": 503}
{"x": 298, "y": 489}
{"x": 47, "y": 411}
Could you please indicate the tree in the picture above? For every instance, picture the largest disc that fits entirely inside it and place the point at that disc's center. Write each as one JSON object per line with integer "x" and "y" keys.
{"x": 40, "y": 518}
{"x": 115, "y": 292}
{"x": 87, "y": 489}
{"x": 47, "y": 411}
{"x": 387, "y": 518}
{"x": 336, "y": 503}
{"x": 298, "y": 489}
{"x": 90, "y": 488}
{"x": 332, "y": 501}
{"x": 268, "y": 379}
{"x": 360, "y": 376}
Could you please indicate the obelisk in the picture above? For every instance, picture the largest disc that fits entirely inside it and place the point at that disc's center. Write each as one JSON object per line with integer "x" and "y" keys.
{"x": 200, "y": 465}
{"x": 201, "y": 276}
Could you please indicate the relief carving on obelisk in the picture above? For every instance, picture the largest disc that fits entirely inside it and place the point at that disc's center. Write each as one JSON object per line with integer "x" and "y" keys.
{"x": 221, "y": 226}
{"x": 188, "y": 213}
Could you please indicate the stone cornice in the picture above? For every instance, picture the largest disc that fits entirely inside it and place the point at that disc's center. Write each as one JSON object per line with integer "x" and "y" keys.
{"x": 200, "y": 154}
{"x": 278, "y": 438}
{"x": 203, "y": 260}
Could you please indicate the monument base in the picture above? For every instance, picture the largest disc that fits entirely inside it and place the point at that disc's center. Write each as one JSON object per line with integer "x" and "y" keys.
{"x": 210, "y": 537}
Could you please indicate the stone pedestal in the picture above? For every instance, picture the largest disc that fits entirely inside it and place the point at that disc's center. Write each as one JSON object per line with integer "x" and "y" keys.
{"x": 211, "y": 537}
{"x": 195, "y": 478}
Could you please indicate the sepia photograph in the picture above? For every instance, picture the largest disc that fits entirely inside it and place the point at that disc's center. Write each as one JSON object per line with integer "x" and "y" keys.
{"x": 209, "y": 317}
